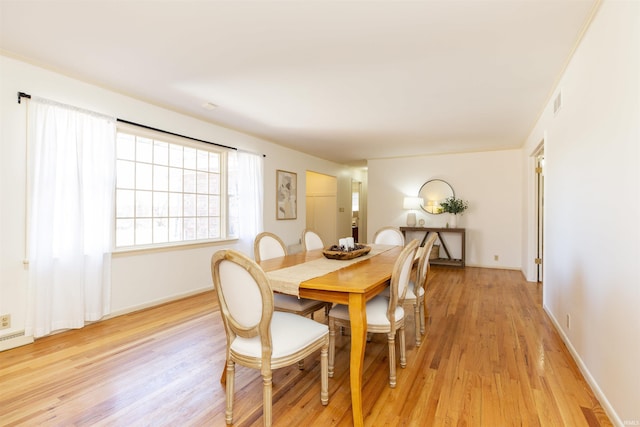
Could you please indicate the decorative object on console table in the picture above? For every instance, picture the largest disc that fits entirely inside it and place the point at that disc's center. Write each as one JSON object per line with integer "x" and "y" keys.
{"x": 411, "y": 204}
{"x": 454, "y": 206}
{"x": 449, "y": 261}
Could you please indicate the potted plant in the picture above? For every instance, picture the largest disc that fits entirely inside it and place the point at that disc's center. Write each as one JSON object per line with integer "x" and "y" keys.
{"x": 454, "y": 206}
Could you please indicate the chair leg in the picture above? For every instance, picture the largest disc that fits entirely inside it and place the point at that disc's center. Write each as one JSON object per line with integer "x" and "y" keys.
{"x": 266, "y": 399}
{"x": 391, "y": 339}
{"x": 324, "y": 375}
{"x": 230, "y": 371}
{"x": 403, "y": 349}
{"x": 423, "y": 313}
{"x": 223, "y": 376}
{"x": 332, "y": 345}
{"x": 416, "y": 318}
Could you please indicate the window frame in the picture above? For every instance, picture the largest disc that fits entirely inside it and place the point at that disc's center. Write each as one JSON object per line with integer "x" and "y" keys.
{"x": 224, "y": 196}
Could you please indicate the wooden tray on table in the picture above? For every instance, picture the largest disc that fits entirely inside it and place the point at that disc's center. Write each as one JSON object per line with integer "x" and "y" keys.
{"x": 334, "y": 252}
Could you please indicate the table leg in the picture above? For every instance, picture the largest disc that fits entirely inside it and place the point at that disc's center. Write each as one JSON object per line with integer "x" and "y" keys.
{"x": 358, "y": 320}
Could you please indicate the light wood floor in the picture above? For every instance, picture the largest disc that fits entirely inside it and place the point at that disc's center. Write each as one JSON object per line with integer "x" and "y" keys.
{"x": 490, "y": 358}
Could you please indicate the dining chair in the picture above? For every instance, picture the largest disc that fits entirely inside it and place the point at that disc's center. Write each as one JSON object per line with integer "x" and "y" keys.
{"x": 389, "y": 236}
{"x": 311, "y": 240}
{"x": 257, "y": 336}
{"x": 266, "y": 246}
{"x": 384, "y": 315}
{"x": 416, "y": 288}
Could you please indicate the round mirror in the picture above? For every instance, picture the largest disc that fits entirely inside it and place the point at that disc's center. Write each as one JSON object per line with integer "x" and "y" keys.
{"x": 434, "y": 192}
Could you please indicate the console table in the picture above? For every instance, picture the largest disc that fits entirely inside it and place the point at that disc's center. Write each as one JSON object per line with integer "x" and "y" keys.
{"x": 448, "y": 261}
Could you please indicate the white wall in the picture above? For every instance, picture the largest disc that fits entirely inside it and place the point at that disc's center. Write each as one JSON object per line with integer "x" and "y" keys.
{"x": 138, "y": 279}
{"x": 592, "y": 212}
{"x": 490, "y": 181}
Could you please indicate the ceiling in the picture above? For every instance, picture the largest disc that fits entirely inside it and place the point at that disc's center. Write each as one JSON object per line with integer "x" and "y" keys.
{"x": 341, "y": 80}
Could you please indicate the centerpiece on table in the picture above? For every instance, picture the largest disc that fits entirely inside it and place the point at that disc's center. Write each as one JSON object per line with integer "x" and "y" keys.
{"x": 455, "y": 207}
{"x": 346, "y": 249}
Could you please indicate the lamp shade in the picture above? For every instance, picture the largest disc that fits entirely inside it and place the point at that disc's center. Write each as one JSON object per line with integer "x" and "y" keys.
{"x": 412, "y": 202}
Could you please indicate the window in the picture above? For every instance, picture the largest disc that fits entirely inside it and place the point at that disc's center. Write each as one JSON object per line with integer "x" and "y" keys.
{"x": 170, "y": 191}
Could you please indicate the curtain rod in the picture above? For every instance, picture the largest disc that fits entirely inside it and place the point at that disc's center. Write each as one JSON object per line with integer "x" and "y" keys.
{"x": 175, "y": 134}
{"x": 26, "y": 95}
{"x": 23, "y": 95}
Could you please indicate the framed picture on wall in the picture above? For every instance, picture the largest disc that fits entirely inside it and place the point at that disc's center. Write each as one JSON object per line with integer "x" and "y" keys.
{"x": 287, "y": 195}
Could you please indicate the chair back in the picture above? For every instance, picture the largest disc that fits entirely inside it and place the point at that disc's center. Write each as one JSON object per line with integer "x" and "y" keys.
{"x": 268, "y": 245}
{"x": 311, "y": 240}
{"x": 244, "y": 295}
{"x": 400, "y": 276}
{"x": 423, "y": 264}
{"x": 389, "y": 236}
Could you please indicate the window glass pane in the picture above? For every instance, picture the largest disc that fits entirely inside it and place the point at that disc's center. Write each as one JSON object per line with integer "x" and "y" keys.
{"x": 126, "y": 147}
{"x": 175, "y": 179}
{"x": 214, "y": 162}
{"x": 202, "y": 205}
{"x": 175, "y": 204}
{"x": 124, "y": 203}
{"x": 144, "y": 176}
{"x": 214, "y": 206}
{"x": 189, "y": 206}
{"x": 214, "y": 228}
{"x": 175, "y": 230}
{"x": 143, "y": 204}
{"x": 160, "y": 204}
{"x": 189, "y": 232}
{"x": 143, "y": 231}
{"x": 175, "y": 155}
{"x": 189, "y": 158}
{"x": 160, "y": 153}
{"x": 202, "y": 183}
{"x": 203, "y": 160}
{"x": 214, "y": 183}
{"x": 160, "y": 230}
{"x": 144, "y": 150}
{"x": 124, "y": 232}
{"x": 125, "y": 174}
{"x": 189, "y": 181}
{"x": 202, "y": 230}
{"x": 161, "y": 178}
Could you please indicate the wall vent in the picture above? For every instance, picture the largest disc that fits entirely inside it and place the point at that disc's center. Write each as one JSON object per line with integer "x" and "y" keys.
{"x": 13, "y": 340}
{"x": 557, "y": 103}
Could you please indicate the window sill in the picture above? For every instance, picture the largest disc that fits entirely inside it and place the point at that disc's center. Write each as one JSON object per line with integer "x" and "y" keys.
{"x": 167, "y": 247}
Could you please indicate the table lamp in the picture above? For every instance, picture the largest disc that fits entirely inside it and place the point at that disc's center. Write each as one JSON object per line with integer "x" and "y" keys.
{"x": 411, "y": 204}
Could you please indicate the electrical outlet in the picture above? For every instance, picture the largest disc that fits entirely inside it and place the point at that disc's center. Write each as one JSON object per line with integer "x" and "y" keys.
{"x": 496, "y": 257}
{"x": 5, "y": 321}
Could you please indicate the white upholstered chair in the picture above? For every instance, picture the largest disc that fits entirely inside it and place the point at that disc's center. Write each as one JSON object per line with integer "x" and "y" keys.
{"x": 311, "y": 240}
{"x": 268, "y": 245}
{"x": 389, "y": 236}
{"x": 416, "y": 288}
{"x": 384, "y": 315}
{"x": 257, "y": 336}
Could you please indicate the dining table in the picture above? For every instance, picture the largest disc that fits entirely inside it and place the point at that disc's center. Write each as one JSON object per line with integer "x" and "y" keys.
{"x": 350, "y": 283}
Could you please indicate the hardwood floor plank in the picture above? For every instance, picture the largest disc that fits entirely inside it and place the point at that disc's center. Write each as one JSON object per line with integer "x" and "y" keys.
{"x": 490, "y": 357}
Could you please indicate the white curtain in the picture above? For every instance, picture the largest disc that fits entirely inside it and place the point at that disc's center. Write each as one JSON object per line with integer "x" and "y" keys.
{"x": 250, "y": 191}
{"x": 72, "y": 163}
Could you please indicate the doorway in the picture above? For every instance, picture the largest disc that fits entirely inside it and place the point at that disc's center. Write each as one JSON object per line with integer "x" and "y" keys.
{"x": 539, "y": 171}
{"x": 322, "y": 205}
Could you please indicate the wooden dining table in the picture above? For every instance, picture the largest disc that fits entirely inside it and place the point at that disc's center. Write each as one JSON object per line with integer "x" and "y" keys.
{"x": 352, "y": 285}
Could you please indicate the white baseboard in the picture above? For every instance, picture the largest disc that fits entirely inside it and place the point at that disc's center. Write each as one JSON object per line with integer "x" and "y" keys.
{"x": 611, "y": 413}
{"x": 157, "y": 302}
